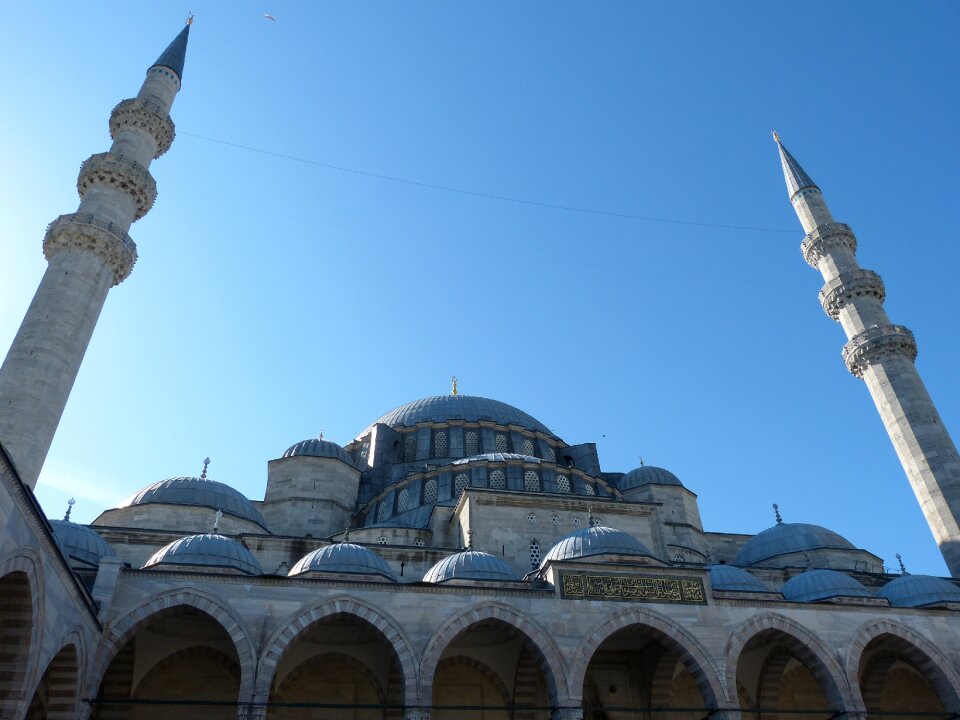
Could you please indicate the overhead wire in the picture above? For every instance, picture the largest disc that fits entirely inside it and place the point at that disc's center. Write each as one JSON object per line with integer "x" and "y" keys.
{"x": 477, "y": 193}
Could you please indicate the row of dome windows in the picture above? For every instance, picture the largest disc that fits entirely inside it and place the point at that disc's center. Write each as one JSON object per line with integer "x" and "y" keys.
{"x": 473, "y": 444}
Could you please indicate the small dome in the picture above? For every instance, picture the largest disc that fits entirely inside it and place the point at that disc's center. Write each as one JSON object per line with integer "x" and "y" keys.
{"x": 734, "y": 579}
{"x": 498, "y": 457}
{"x": 647, "y": 475}
{"x": 344, "y": 557}
{"x": 318, "y": 448}
{"x": 470, "y": 565}
{"x": 595, "y": 541}
{"x": 198, "y": 492}
{"x": 919, "y": 591}
{"x": 207, "y": 551}
{"x": 814, "y": 585}
{"x": 81, "y": 543}
{"x": 786, "y": 538}
{"x": 470, "y": 408}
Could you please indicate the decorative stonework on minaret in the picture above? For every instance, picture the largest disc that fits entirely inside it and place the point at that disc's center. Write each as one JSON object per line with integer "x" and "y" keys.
{"x": 88, "y": 252}
{"x": 883, "y": 355}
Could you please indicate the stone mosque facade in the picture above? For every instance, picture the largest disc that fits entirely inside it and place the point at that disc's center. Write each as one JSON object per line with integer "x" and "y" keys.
{"x": 457, "y": 560}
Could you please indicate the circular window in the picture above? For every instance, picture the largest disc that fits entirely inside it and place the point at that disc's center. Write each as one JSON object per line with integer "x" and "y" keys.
{"x": 531, "y": 518}
{"x": 555, "y": 519}
{"x": 596, "y": 521}
{"x": 575, "y": 520}
{"x": 419, "y": 542}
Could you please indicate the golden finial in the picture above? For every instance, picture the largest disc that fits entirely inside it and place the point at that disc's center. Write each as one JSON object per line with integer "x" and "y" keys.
{"x": 454, "y": 381}
{"x": 776, "y": 136}
{"x": 190, "y": 19}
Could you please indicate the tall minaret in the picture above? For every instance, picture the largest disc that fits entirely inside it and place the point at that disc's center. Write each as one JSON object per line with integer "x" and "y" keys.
{"x": 882, "y": 354}
{"x": 88, "y": 252}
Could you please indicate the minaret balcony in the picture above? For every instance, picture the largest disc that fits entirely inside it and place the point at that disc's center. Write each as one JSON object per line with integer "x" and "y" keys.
{"x": 144, "y": 115}
{"x": 875, "y": 343}
{"x": 123, "y": 174}
{"x": 82, "y": 232}
{"x": 825, "y": 239}
{"x": 848, "y": 287}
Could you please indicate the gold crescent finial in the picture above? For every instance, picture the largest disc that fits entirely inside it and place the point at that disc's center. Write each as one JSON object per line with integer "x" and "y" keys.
{"x": 454, "y": 381}
{"x": 776, "y": 136}
{"x": 190, "y": 19}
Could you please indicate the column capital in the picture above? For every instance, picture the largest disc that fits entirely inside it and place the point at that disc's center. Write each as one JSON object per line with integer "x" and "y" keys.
{"x": 865, "y": 349}
{"x": 825, "y": 238}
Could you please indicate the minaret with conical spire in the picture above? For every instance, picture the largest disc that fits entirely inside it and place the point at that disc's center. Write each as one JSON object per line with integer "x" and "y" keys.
{"x": 883, "y": 355}
{"x": 88, "y": 252}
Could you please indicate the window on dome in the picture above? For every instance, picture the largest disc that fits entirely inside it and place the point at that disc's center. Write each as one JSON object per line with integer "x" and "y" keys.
{"x": 549, "y": 454}
{"x": 419, "y": 542}
{"x": 528, "y": 447}
{"x": 382, "y": 512}
{"x": 534, "y": 554}
{"x": 555, "y": 519}
{"x": 575, "y": 520}
{"x": 498, "y": 481}
{"x": 460, "y": 484}
{"x": 501, "y": 442}
{"x": 563, "y": 484}
{"x": 596, "y": 521}
{"x": 589, "y": 489}
{"x": 403, "y": 500}
{"x": 440, "y": 443}
{"x": 410, "y": 447}
{"x": 365, "y": 450}
{"x": 531, "y": 481}
{"x": 430, "y": 492}
{"x": 471, "y": 444}
{"x": 532, "y": 518}
{"x": 381, "y": 540}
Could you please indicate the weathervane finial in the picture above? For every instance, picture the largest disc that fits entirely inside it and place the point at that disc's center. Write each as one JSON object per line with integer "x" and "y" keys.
{"x": 776, "y": 511}
{"x": 70, "y": 503}
{"x": 206, "y": 463}
{"x": 454, "y": 381}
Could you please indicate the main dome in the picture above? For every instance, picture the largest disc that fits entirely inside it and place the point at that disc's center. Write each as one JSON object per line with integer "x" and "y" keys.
{"x": 470, "y": 408}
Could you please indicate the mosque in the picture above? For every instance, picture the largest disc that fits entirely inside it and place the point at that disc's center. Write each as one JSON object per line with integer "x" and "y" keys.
{"x": 457, "y": 560}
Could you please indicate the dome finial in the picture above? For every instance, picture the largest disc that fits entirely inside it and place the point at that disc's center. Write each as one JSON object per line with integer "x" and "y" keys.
{"x": 203, "y": 473}
{"x": 776, "y": 136}
{"x": 903, "y": 568}
{"x": 190, "y": 18}
{"x": 454, "y": 381}
{"x": 469, "y": 539}
{"x": 641, "y": 461}
{"x": 70, "y": 503}
{"x": 216, "y": 521}
{"x": 320, "y": 436}
{"x": 346, "y": 532}
{"x": 776, "y": 512}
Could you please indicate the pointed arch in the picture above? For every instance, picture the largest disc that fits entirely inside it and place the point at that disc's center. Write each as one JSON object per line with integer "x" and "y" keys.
{"x": 291, "y": 627}
{"x": 21, "y": 585}
{"x": 812, "y": 651}
{"x": 122, "y": 630}
{"x": 540, "y": 644}
{"x": 923, "y": 654}
{"x": 692, "y": 654}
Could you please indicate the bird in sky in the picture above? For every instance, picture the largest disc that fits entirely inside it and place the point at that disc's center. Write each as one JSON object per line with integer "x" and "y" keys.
{"x": 269, "y": 17}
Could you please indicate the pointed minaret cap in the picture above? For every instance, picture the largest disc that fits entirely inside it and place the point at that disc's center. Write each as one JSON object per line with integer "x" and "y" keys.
{"x": 797, "y": 179}
{"x": 176, "y": 52}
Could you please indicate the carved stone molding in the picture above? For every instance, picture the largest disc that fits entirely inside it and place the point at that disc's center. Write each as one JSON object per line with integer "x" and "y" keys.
{"x": 144, "y": 115}
{"x": 875, "y": 343}
{"x": 849, "y": 286}
{"x": 88, "y": 233}
{"x": 826, "y": 238}
{"x": 116, "y": 171}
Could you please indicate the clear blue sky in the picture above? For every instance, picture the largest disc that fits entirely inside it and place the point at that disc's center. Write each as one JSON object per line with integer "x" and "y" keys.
{"x": 274, "y": 298}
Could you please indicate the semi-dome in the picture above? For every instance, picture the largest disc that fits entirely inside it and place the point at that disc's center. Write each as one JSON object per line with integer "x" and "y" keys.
{"x": 344, "y": 557}
{"x": 786, "y": 538}
{"x": 919, "y": 591}
{"x": 80, "y": 543}
{"x": 198, "y": 492}
{"x": 470, "y": 565}
{"x": 595, "y": 541}
{"x": 498, "y": 457}
{"x": 207, "y": 551}
{"x": 647, "y": 475}
{"x": 815, "y": 585}
{"x": 316, "y": 447}
{"x": 470, "y": 408}
{"x": 734, "y": 579}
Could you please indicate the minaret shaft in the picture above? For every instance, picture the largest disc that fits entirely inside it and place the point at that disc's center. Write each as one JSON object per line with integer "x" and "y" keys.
{"x": 883, "y": 355}
{"x": 88, "y": 252}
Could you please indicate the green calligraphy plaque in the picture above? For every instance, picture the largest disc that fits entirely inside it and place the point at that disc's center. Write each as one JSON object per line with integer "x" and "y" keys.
{"x": 632, "y": 588}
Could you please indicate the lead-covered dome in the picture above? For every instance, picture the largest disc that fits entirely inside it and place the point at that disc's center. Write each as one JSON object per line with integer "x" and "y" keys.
{"x": 81, "y": 544}
{"x": 316, "y": 447}
{"x": 344, "y": 557}
{"x": 733, "y": 579}
{"x": 816, "y": 585}
{"x": 470, "y": 565}
{"x": 208, "y": 551}
{"x": 198, "y": 492}
{"x": 919, "y": 591}
{"x": 786, "y": 538}
{"x": 647, "y": 475}
{"x": 470, "y": 408}
{"x": 595, "y": 541}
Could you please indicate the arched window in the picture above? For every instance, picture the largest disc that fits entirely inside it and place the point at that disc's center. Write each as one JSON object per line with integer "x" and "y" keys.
{"x": 500, "y": 439}
{"x": 460, "y": 484}
{"x": 534, "y": 554}
{"x": 589, "y": 489}
{"x": 382, "y": 512}
{"x": 381, "y": 540}
{"x": 403, "y": 500}
{"x": 563, "y": 484}
{"x": 410, "y": 447}
{"x": 430, "y": 492}
{"x": 531, "y": 481}
{"x": 471, "y": 444}
{"x": 440, "y": 443}
{"x": 549, "y": 454}
{"x": 498, "y": 481}
{"x": 528, "y": 446}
